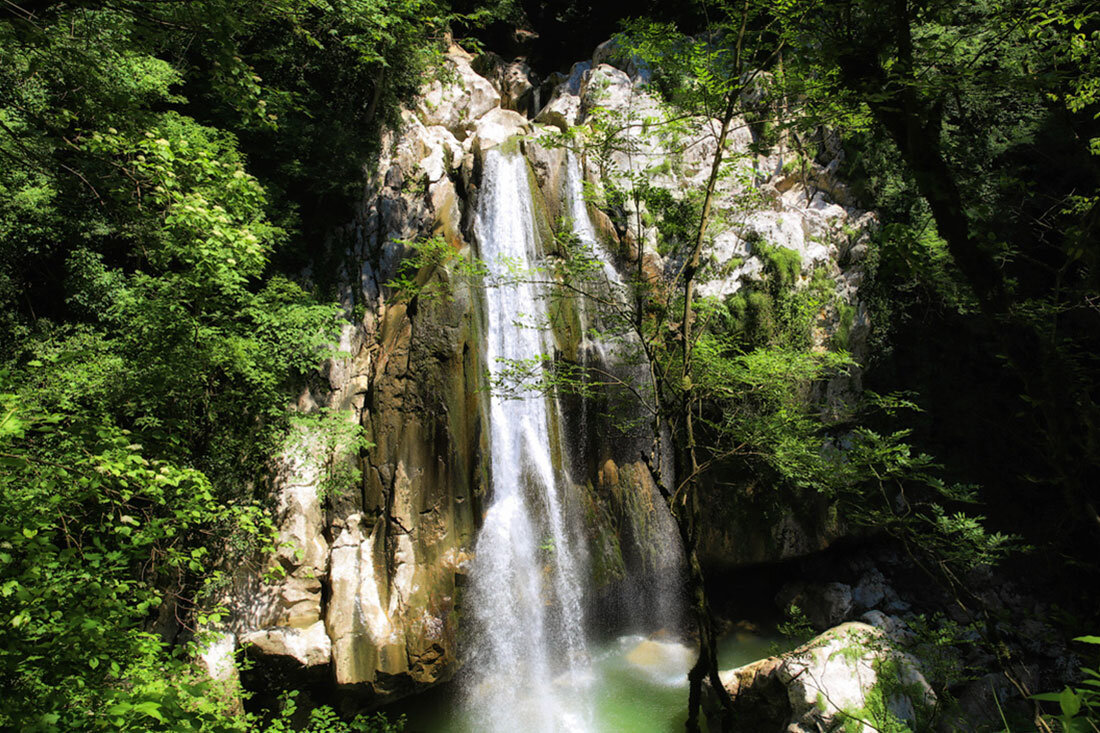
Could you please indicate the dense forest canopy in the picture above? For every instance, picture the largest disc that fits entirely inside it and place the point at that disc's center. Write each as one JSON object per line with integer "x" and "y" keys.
{"x": 173, "y": 170}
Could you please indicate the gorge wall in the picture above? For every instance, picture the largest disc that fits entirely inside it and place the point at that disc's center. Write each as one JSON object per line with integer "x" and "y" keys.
{"x": 366, "y": 589}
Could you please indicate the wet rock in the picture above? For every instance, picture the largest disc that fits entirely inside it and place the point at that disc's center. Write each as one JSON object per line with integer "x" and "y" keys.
{"x": 499, "y": 126}
{"x": 355, "y": 611}
{"x": 371, "y": 566}
{"x": 811, "y": 216}
{"x": 635, "y": 560}
{"x": 759, "y": 694}
{"x": 448, "y": 213}
{"x": 548, "y": 163}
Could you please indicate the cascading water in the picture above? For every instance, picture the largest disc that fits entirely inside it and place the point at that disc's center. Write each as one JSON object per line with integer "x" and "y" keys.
{"x": 652, "y": 598}
{"x": 608, "y": 284}
{"x": 529, "y": 659}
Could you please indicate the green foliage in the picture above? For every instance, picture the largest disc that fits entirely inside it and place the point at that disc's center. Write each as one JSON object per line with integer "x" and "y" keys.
{"x": 750, "y": 314}
{"x": 971, "y": 128}
{"x": 95, "y": 535}
{"x": 696, "y": 73}
{"x": 797, "y": 626}
{"x": 430, "y": 267}
{"x": 329, "y": 442}
{"x": 783, "y": 264}
{"x": 846, "y": 315}
{"x": 160, "y": 159}
{"x": 941, "y": 645}
{"x": 784, "y": 312}
{"x": 757, "y": 360}
{"x": 882, "y": 481}
{"x": 324, "y": 719}
{"x": 1078, "y": 706}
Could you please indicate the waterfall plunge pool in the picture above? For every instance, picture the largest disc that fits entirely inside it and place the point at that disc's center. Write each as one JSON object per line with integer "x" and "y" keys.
{"x": 636, "y": 685}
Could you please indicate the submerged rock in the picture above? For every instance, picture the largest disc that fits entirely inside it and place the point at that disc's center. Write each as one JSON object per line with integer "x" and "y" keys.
{"x": 663, "y": 662}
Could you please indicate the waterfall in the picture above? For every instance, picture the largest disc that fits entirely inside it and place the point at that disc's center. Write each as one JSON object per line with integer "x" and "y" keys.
{"x": 652, "y": 598}
{"x": 528, "y": 662}
{"x": 582, "y": 222}
{"x": 608, "y": 283}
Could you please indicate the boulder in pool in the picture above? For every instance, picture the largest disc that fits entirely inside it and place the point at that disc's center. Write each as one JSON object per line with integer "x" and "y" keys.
{"x": 852, "y": 677}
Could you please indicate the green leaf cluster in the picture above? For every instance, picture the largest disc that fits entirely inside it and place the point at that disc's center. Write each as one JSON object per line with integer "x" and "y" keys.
{"x": 163, "y": 165}
{"x": 1078, "y": 706}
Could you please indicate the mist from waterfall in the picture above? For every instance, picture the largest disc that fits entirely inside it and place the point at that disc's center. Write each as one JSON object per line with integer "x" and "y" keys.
{"x": 528, "y": 661}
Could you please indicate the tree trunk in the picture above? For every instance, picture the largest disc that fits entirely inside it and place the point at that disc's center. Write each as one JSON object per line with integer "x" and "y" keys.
{"x": 706, "y": 665}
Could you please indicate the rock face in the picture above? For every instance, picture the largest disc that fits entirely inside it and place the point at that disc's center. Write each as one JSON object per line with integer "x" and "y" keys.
{"x": 634, "y": 545}
{"x": 364, "y": 584}
{"x": 808, "y": 212}
{"x": 364, "y": 588}
{"x": 824, "y": 605}
{"x": 457, "y": 106}
{"x": 744, "y": 530}
{"x": 850, "y": 678}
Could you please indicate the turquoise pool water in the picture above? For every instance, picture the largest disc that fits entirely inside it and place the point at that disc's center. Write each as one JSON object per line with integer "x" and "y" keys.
{"x": 637, "y": 685}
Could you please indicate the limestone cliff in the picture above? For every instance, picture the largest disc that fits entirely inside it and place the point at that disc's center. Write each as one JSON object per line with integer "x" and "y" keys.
{"x": 365, "y": 590}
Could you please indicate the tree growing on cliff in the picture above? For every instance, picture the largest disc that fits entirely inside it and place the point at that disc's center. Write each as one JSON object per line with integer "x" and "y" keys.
{"x": 729, "y": 378}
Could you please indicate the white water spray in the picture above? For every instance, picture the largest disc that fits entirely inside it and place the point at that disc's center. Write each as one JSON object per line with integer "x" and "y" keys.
{"x": 529, "y": 665}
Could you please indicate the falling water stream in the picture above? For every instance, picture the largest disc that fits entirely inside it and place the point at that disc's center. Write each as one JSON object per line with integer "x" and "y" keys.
{"x": 652, "y": 598}
{"x": 609, "y": 284}
{"x": 529, "y": 665}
